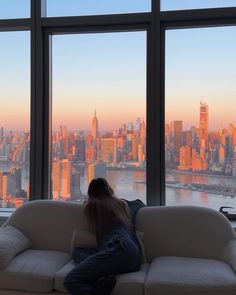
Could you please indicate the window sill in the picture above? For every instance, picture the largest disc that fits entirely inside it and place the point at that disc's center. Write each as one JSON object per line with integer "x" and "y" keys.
{"x": 4, "y": 214}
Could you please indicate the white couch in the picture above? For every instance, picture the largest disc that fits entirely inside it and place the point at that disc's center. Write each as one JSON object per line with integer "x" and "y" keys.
{"x": 190, "y": 250}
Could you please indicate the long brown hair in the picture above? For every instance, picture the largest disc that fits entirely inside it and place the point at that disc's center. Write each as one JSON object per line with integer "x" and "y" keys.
{"x": 103, "y": 209}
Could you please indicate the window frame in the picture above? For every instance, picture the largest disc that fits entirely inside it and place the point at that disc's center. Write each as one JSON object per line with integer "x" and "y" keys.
{"x": 155, "y": 23}
{"x": 103, "y": 26}
{"x": 199, "y": 18}
{"x": 15, "y": 25}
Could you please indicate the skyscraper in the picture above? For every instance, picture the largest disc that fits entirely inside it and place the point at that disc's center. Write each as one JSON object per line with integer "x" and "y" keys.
{"x": 61, "y": 179}
{"x": 65, "y": 178}
{"x": 75, "y": 186}
{"x": 221, "y": 155}
{"x": 108, "y": 150}
{"x": 178, "y": 128}
{"x": 96, "y": 170}
{"x": 56, "y": 179}
{"x": 185, "y": 158}
{"x": 234, "y": 163}
{"x": 134, "y": 147}
{"x": 95, "y": 126}
{"x": 10, "y": 183}
{"x": 204, "y": 121}
{"x": 143, "y": 133}
{"x": 1, "y": 185}
{"x": 1, "y": 135}
{"x": 64, "y": 144}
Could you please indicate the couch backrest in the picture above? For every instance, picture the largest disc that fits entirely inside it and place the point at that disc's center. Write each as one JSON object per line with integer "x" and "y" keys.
{"x": 49, "y": 224}
{"x": 170, "y": 231}
{"x": 187, "y": 231}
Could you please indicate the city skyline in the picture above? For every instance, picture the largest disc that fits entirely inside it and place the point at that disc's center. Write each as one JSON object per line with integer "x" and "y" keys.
{"x": 199, "y": 149}
{"x": 78, "y": 157}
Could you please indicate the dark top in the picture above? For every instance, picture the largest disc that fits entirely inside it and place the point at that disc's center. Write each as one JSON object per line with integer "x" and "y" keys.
{"x": 122, "y": 230}
{"x": 128, "y": 232}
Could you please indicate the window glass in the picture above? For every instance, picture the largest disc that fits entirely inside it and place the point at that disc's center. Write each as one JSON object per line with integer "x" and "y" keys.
{"x": 93, "y": 7}
{"x": 15, "y": 118}
{"x": 195, "y": 4}
{"x": 14, "y": 9}
{"x": 99, "y": 113}
{"x": 200, "y": 130}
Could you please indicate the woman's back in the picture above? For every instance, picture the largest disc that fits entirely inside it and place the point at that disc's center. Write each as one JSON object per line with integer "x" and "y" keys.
{"x": 118, "y": 249}
{"x": 104, "y": 211}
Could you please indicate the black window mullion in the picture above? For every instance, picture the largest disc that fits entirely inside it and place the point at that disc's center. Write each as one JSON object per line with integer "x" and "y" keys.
{"x": 14, "y": 24}
{"x": 155, "y": 114}
{"x": 37, "y": 161}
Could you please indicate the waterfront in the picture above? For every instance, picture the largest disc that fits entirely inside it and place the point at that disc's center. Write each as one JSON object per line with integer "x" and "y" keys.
{"x": 177, "y": 197}
{"x": 129, "y": 185}
{"x": 125, "y": 185}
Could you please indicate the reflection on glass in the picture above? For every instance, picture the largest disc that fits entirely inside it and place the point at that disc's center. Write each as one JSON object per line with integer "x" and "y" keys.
{"x": 195, "y": 4}
{"x": 200, "y": 130}
{"x": 94, "y": 7}
{"x": 14, "y": 121}
{"x": 98, "y": 118}
{"x": 10, "y": 9}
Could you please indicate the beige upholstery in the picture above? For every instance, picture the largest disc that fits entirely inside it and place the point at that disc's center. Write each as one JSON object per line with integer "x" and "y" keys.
{"x": 191, "y": 250}
{"x": 12, "y": 242}
{"x": 33, "y": 270}
{"x": 229, "y": 254}
{"x": 61, "y": 274}
{"x": 184, "y": 231}
{"x": 189, "y": 276}
{"x": 130, "y": 283}
{"x": 49, "y": 224}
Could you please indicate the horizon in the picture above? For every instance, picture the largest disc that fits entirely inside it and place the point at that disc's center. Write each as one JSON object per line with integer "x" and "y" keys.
{"x": 200, "y": 62}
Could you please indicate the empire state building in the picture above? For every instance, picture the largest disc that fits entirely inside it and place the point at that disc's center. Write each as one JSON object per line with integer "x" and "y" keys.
{"x": 95, "y": 126}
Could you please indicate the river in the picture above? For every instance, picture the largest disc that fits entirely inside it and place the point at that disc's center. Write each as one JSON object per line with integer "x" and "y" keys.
{"x": 125, "y": 185}
{"x": 187, "y": 197}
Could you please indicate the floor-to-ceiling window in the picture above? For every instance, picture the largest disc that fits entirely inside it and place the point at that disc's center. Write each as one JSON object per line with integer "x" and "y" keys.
{"x": 200, "y": 132}
{"x": 140, "y": 92}
{"x": 99, "y": 113}
{"x": 14, "y": 104}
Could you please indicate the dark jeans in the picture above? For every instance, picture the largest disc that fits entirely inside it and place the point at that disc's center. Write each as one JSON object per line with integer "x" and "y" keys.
{"x": 121, "y": 255}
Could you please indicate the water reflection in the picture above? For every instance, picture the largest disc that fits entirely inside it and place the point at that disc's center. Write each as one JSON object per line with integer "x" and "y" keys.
{"x": 175, "y": 196}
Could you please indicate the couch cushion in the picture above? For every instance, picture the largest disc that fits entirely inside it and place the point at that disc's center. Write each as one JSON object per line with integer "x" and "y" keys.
{"x": 61, "y": 274}
{"x": 33, "y": 270}
{"x": 130, "y": 283}
{"x": 12, "y": 242}
{"x": 192, "y": 276}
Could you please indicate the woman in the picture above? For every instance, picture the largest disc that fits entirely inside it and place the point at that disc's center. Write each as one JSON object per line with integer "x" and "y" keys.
{"x": 118, "y": 249}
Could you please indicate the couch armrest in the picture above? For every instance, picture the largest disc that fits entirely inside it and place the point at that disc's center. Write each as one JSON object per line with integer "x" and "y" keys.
{"x": 229, "y": 254}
